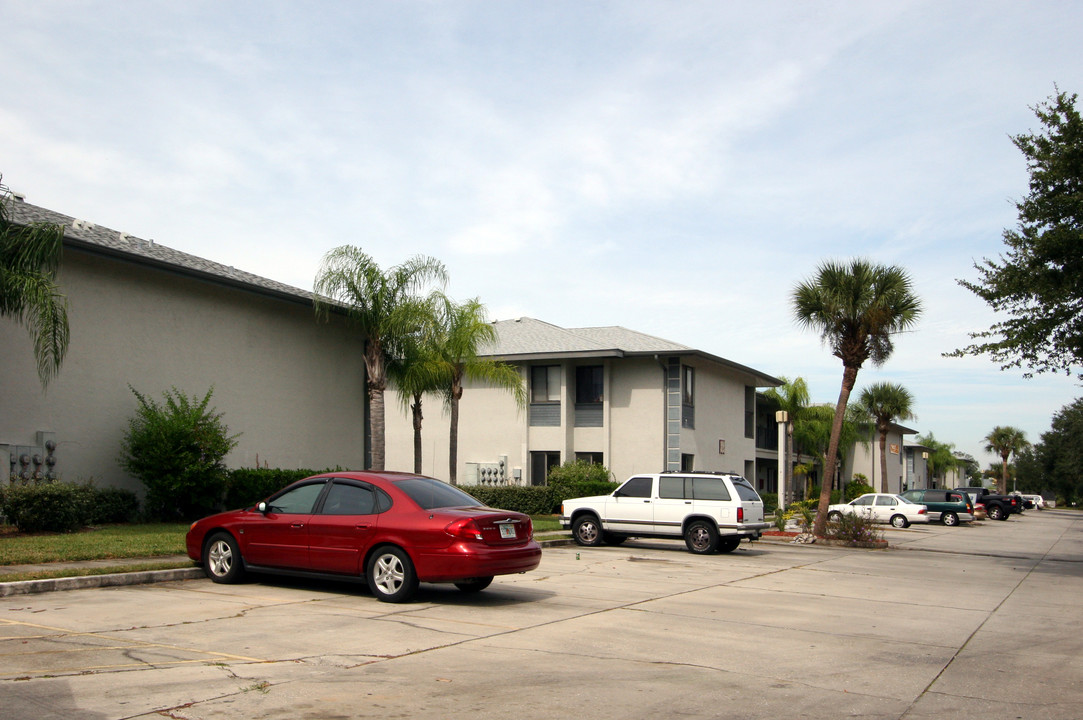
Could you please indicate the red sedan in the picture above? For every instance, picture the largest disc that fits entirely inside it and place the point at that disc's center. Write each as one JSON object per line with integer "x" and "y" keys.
{"x": 393, "y": 529}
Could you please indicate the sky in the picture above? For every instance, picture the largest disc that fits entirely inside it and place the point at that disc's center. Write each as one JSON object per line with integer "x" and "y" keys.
{"x": 675, "y": 168}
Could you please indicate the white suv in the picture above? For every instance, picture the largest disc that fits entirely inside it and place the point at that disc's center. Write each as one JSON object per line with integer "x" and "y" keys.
{"x": 711, "y": 511}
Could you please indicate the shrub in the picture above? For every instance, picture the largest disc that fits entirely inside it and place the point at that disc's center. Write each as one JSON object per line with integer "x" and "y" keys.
{"x": 770, "y": 502}
{"x": 579, "y": 479}
{"x": 247, "y": 486}
{"x": 856, "y": 489}
{"x": 836, "y": 496}
{"x": 113, "y": 505}
{"x": 176, "y": 449}
{"x": 48, "y": 507}
{"x": 853, "y": 528}
{"x": 532, "y": 500}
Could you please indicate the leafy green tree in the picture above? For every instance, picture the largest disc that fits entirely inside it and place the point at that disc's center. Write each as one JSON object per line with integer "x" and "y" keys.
{"x": 462, "y": 329}
{"x": 1052, "y": 465}
{"x": 1005, "y": 440}
{"x": 177, "y": 449}
{"x": 856, "y": 307}
{"x": 383, "y": 306}
{"x": 885, "y": 403}
{"x": 1038, "y": 283}
{"x": 29, "y": 259}
{"x": 793, "y": 397}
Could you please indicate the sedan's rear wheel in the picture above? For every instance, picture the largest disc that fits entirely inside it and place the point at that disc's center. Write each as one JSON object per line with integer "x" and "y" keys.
{"x": 587, "y": 531}
{"x": 391, "y": 575}
{"x": 222, "y": 559}
{"x": 475, "y": 585}
{"x": 899, "y": 521}
{"x": 834, "y": 516}
{"x": 701, "y": 537}
{"x": 949, "y": 519}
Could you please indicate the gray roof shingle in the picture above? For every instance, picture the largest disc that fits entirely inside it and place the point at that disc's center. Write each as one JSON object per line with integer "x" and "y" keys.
{"x": 96, "y": 238}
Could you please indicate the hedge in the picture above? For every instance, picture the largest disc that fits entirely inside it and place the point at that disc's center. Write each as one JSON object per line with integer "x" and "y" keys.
{"x": 65, "y": 507}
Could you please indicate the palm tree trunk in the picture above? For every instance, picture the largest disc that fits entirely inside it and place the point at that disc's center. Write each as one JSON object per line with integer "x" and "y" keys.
{"x": 453, "y": 441}
{"x": 849, "y": 379}
{"x": 415, "y": 410}
{"x": 376, "y": 411}
{"x": 1002, "y": 488}
{"x": 883, "y": 461}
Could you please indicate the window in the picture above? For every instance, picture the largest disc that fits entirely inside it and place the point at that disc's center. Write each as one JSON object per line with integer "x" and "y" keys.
{"x": 672, "y": 487}
{"x": 750, "y": 412}
{"x": 688, "y": 399}
{"x": 429, "y": 493}
{"x": 708, "y": 488}
{"x": 541, "y": 462}
{"x": 885, "y": 500}
{"x": 639, "y": 487}
{"x": 349, "y": 499}
{"x": 864, "y": 500}
{"x": 688, "y": 462}
{"x": 298, "y": 501}
{"x": 594, "y": 458}
{"x": 545, "y": 384}
{"x": 588, "y": 384}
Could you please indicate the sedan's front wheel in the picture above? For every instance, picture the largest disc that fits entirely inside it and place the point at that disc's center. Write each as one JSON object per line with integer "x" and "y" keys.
{"x": 391, "y": 575}
{"x": 222, "y": 559}
{"x": 899, "y": 521}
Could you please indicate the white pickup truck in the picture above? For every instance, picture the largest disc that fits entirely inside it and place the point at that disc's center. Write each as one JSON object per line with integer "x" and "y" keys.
{"x": 711, "y": 511}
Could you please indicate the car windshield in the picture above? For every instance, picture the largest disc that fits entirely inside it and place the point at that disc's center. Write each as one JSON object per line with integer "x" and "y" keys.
{"x": 429, "y": 493}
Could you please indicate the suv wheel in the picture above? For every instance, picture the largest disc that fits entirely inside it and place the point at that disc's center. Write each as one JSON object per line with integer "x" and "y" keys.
{"x": 729, "y": 544}
{"x": 701, "y": 537}
{"x": 949, "y": 519}
{"x": 587, "y": 531}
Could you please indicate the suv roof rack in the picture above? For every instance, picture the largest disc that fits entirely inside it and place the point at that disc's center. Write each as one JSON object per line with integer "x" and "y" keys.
{"x": 699, "y": 472}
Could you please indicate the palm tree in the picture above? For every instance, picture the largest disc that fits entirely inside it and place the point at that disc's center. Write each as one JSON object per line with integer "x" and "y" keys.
{"x": 1005, "y": 440}
{"x": 29, "y": 260}
{"x": 886, "y": 403}
{"x": 812, "y": 433}
{"x": 856, "y": 307}
{"x": 415, "y": 371}
{"x": 941, "y": 458}
{"x": 462, "y": 330}
{"x": 383, "y": 306}
{"x": 793, "y": 398}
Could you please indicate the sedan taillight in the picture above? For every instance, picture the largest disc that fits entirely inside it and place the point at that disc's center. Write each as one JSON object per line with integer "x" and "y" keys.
{"x": 464, "y": 529}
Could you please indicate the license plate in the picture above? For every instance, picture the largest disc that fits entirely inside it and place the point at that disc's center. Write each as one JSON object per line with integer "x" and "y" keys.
{"x": 507, "y": 531}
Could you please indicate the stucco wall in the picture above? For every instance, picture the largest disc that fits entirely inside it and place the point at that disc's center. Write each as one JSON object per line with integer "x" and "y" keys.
{"x": 292, "y": 387}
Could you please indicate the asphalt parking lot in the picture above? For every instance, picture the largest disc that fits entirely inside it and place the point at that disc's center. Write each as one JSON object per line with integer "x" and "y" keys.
{"x": 964, "y": 622}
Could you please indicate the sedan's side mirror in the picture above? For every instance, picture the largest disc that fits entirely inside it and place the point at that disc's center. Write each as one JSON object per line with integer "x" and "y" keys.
{"x": 262, "y": 507}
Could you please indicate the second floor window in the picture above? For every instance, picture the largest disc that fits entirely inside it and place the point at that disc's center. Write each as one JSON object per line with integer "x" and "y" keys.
{"x": 545, "y": 383}
{"x": 588, "y": 384}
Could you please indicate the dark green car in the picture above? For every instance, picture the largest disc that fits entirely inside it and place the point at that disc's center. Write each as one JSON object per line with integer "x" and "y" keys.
{"x": 948, "y": 506}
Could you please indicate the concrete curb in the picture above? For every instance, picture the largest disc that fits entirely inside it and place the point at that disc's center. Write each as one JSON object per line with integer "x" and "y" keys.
{"x": 28, "y": 587}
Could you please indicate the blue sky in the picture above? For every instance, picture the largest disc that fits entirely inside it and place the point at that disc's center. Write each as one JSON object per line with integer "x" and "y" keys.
{"x": 671, "y": 167}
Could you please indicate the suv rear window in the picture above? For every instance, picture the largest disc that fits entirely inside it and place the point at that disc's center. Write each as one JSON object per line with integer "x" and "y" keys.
{"x": 709, "y": 488}
{"x": 744, "y": 489}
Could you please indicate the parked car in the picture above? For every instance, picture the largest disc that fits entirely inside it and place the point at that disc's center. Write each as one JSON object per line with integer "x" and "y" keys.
{"x": 392, "y": 529}
{"x": 1031, "y": 502}
{"x": 711, "y": 511}
{"x": 998, "y": 507}
{"x": 950, "y": 507}
{"x": 882, "y": 507}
